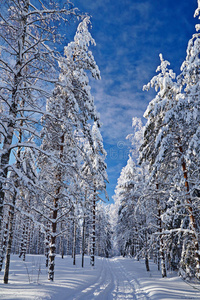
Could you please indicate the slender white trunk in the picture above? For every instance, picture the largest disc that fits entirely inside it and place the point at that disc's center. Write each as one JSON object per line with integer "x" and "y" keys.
{"x": 4, "y": 242}
{"x": 10, "y": 238}
{"x": 161, "y": 244}
{"x": 93, "y": 230}
{"x": 83, "y": 241}
{"x": 74, "y": 245}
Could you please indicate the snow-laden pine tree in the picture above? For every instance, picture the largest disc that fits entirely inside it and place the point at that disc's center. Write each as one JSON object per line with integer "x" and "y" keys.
{"x": 166, "y": 140}
{"x": 156, "y": 129}
{"x": 66, "y": 126}
{"x": 159, "y": 139}
{"x": 58, "y": 175}
{"x": 132, "y": 226}
{"x": 100, "y": 178}
{"x": 95, "y": 178}
{"x": 126, "y": 198}
{"x": 189, "y": 145}
{"x": 103, "y": 231}
{"x": 143, "y": 216}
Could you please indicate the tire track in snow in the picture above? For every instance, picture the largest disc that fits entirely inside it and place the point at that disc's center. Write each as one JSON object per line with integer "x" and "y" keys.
{"x": 95, "y": 290}
{"x": 122, "y": 288}
{"x": 113, "y": 283}
{"x": 139, "y": 292}
{"x": 104, "y": 290}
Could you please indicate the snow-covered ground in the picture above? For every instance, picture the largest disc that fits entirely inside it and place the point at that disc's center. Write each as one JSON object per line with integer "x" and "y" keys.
{"x": 114, "y": 278}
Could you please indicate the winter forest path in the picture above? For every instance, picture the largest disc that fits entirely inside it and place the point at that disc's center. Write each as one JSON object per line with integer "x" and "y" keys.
{"x": 114, "y": 278}
{"x": 113, "y": 283}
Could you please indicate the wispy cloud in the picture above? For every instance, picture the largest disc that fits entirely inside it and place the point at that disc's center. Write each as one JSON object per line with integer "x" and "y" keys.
{"x": 130, "y": 34}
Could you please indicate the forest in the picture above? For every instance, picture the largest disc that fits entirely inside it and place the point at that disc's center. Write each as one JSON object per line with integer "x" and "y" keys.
{"x": 53, "y": 161}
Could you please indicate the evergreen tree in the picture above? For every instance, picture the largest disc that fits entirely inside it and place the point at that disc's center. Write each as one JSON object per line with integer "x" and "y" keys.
{"x": 67, "y": 128}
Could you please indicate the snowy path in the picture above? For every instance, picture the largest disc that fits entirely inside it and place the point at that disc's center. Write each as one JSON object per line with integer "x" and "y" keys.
{"x": 112, "y": 283}
{"x": 112, "y": 279}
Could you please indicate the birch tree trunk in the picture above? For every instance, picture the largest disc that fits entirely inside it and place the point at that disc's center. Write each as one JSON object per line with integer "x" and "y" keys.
{"x": 61, "y": 241}
{"x": 4, "y": 242}
{"x": 74, "y": 244}
{"x": 158, "y": 253}
{"x": 93, "y": 229}
{"x": 146, "y": 252}
{"x": 147, "y": 261}
{"x": 24, "y": 239}
{"x": 52, "y": 252}
{"x": 162, "y": 253}
{"x": 68, "y": 237}
{"x": 10, "y": 237}
{"x": 5, "y": 157}
{"x": 83, "y": 242}
{"x": 47, "y": 247}
{"x": 12, "y": 212}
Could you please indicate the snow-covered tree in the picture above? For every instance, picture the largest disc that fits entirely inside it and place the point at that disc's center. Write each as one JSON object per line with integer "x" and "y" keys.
{"x": 67, "y": 128}
{"x": 189, "y": 144}
{"x": 99, "y": 179}
{"x": 170, "y": 124}
{"x": 27, "y": 69}
{"x": 103, "y": 231}
{"x": 158, "y": 148}
{"x": 126, "y": 224}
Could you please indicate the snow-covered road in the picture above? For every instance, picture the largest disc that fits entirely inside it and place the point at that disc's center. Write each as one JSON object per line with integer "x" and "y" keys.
{"x": 112, "y": 283}
{"x": 111, "y": 279}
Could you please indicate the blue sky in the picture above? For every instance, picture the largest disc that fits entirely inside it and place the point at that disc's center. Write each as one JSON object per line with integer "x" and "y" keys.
{"x": 129, "y": 35}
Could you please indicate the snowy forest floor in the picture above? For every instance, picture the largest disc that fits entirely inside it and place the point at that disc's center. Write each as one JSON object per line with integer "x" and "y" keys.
{"x": 113, "y": 278}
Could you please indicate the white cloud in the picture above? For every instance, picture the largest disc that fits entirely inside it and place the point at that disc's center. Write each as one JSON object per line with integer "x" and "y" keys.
{"x": 130, "y": 34}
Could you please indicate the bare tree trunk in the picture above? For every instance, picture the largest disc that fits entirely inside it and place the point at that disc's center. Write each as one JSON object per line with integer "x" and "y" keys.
{"x": 146, "y": 253}
{"x": 83, "y": 242}
{"x": 147, "y": 261}
{"x": 11, "y": 213}
{"x": 5, "y": 157}
{"x": 47, "y": 248}
{"x": 30, "y": 239}
{"x": 137, "y": 247}
{"x": 68, "y": 236}
{"x": 93, "y": 229}
{"x": 191, "y": 216}
{"x": 162, "y": 253}
{"x": 62, "y": 246}
{"x": 40, "y": 245}
{"x": 52, "y": 253}
{"x": 162, "y": 257}
{"x": 74, "y": 245}
{"x": 61, "y": 241}
{"x": 3, "y": 250}
{"x": 158, "y": 253}
{"x": 10, "y": 238}
{"x": 22, "y": 252}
